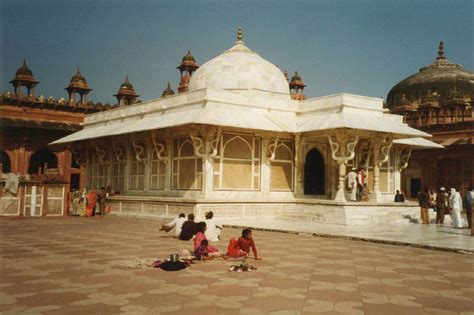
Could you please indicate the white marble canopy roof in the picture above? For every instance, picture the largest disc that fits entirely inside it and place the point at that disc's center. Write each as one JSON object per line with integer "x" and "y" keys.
{"x": 239, "y": 89}
{"x": 230, "y": 109}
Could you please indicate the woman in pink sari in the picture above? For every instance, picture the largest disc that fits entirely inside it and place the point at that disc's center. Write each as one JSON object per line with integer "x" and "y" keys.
{"x": 200, "y": 236}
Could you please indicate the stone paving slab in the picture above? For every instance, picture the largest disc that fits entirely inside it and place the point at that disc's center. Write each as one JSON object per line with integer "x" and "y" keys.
{"x": 92, "y": 265}
{"x": 441, "y": 237}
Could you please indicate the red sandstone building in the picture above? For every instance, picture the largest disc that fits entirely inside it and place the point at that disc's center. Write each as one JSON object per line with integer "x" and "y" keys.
{"x": 28, "y": 123}
{"x": 438, "y": 100}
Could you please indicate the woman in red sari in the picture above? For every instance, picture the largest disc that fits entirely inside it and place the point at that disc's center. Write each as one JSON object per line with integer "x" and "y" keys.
{"x": 91, "y": 200}
{"x": 241, "y": 247}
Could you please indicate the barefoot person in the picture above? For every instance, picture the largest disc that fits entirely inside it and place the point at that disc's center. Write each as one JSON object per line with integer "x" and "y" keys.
{"x": 177, "y": 223}
{"x": 241, "y": 247}
{"x": 199, "y": 241}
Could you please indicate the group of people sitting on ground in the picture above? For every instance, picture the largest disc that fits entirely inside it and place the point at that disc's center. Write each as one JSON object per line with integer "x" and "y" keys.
{"x": 445, "y": 203}
{"x": 209, "y": 231}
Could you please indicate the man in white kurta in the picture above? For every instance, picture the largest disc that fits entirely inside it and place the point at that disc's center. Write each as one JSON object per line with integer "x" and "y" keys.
{"x": 455, "y": 203}
{"x": 352, "y": 184}
{"x": 213, "y": 229}
{"x": 177, "y": 223}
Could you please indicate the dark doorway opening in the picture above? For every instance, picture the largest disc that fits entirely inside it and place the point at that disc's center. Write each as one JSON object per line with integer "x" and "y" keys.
{"x": 75, "y": 182}
{"x": 415, "y": 187}
{"x": 41, "y": 158}
{"x": 5, "y": 162}
{"x": 314, "y": 174}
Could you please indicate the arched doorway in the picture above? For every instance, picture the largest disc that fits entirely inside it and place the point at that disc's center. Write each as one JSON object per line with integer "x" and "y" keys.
{"x": 5, "y": 162}
{"x": 314, "y": 174}
{"x": 38, "y": 160}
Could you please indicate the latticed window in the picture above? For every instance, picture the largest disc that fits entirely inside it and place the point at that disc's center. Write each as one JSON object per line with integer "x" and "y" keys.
{"x": 237, "y": 165}
{"x": 158, "y": 172}
{"x": 97, "y": 170}
{"x": 118, "y": 167}
{"x": 282, "y": 167}
{"x": 387, "y": 175}
{"x": 187, "y": 168}
{"x": 137, "y": 167}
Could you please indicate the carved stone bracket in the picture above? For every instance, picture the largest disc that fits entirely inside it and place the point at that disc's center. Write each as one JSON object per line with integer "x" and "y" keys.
{"x": 139, "y": 151}
{"x": 160, "y": 150}
{"x": 404, "y": 158}
{"x": 206, "y": 144}
{"x": 78, "y": 155}
{"x": 118, "y": 154}
{"x": 366, "y": 150}
{"x": 342, "y": 156}
{"x": 101, "y": 154}
{"x": 385, "y": 152}
{"x": 271, "y": 149}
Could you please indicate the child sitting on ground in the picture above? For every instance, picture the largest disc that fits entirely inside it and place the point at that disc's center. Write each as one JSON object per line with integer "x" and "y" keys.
{"x": 241, "y": 247}
{"x": 201, "y": 252}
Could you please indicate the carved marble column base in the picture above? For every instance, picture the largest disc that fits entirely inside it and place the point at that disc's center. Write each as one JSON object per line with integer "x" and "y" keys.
{"x": 376, "y": 196}
{"x": 340, "y": 195}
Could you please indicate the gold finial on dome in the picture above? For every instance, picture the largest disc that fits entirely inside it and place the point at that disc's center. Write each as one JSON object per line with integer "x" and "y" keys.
{"x": 240, "y": 36}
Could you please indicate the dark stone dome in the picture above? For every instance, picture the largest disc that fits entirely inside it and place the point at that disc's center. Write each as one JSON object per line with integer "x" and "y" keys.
{"x": 442, "y": 79}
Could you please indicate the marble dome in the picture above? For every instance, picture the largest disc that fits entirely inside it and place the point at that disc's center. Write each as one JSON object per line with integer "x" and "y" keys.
{"x": 239, "y": 68}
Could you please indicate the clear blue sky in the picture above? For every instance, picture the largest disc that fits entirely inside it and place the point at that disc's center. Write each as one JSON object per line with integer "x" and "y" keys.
{"x": 361, "y": 47}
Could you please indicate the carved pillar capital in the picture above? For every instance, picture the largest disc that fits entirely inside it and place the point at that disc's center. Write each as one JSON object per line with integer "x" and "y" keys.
{"x": 342, "y": 151}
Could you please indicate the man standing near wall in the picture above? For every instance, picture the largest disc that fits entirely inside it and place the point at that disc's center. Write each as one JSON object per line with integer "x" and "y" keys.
{"x": 468, "y": 205}
{"x": 352, "y": 183}
{"x": 424, "y": 201}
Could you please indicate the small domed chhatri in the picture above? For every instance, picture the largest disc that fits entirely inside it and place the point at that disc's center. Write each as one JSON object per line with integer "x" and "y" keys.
{"x": 296, "y": 87}
{"x": 126, "y": 94}
{"x": 168, "y": 91}
{"x": 78, "y": 84}
{"x": 24, "y": 77}
{"x": 431, "y": 88}
{"x": 186, "y": 69}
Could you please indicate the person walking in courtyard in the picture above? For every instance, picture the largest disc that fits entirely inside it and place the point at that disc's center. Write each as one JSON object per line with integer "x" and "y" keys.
{"x": 242, "y": 247}
{"x": 352, "y": 183}
{"x": 441, "y": 205}
{"x": 213, "y": 230}
{"x": 188, "y": 228}
{"x": 468, "y": 205}
{"x": 424, "y": 201}
{"x": 177, "y": 223}
{"x": 455, "y": 203}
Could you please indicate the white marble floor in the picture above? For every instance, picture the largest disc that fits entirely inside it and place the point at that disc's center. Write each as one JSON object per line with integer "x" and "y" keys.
{"x": 434, "y": 236}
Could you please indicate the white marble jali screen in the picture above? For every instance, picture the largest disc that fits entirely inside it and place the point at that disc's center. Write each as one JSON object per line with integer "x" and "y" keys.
{"x": 97, "y": 167}
{"x": 186, "y": 168}
{"x": 237, "y": 164}
{"x": 282, "y": 166}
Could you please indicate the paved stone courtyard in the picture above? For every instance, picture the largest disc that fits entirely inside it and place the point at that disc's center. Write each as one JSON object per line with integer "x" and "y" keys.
{"x": 91, "y": 265}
